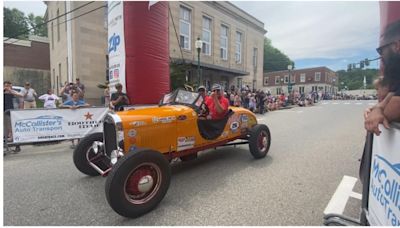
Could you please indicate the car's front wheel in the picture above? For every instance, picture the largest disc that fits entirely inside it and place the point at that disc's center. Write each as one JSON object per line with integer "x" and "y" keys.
{"x": 259, "y": 141}
{"x": 84, "y": 153}
{"x": 138, "y": 182}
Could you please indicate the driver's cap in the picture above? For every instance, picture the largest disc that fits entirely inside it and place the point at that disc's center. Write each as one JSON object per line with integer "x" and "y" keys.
{"x": 216, "y": 86}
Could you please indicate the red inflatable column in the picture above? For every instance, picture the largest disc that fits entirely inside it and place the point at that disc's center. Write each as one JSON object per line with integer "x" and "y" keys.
{"x": 147, "y": 51}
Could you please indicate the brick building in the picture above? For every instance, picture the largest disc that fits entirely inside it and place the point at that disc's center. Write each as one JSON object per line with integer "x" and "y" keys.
{"x": 27, "y": 60}
{"x": 319, "y": 79}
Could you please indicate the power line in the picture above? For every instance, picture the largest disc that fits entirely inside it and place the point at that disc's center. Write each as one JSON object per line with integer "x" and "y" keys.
{"x": 44, "y": 23}
{"x": 83, "y": 14}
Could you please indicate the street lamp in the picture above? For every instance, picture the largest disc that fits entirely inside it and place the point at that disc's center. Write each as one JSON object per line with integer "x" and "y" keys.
{"x": 289, "y": 67}
{"x": 198, "y": 44}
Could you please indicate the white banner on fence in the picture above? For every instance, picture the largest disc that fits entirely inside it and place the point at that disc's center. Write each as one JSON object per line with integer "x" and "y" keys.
{"x": 55, "y": 124}
{"x": 384, "y": 189}
{"x": 116, "y": 44}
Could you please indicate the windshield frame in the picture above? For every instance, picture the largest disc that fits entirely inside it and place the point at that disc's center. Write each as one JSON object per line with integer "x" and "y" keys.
{"x": 171, "y": 99}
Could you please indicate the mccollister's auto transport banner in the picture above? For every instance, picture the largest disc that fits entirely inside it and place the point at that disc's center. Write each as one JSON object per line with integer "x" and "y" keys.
{"x": 55, "y": 124}
{"x": 384, "y": 189}
{"x": 116, "y": 44}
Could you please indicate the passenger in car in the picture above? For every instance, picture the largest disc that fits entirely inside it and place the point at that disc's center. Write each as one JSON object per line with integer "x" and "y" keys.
{"x": 203, "y": 107}
{"x": 217, "y": 104}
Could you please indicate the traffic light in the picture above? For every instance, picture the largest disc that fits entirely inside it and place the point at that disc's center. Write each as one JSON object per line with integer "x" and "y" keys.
{"x": 366, "y": 62}
{"x": 361, "y": 64}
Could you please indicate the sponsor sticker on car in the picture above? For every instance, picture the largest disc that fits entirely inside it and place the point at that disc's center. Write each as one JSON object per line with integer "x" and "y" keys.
{"x": 185, "y": 143}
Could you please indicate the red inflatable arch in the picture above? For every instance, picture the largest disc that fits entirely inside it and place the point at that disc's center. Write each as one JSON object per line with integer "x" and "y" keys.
{"x": 147, "y": 51}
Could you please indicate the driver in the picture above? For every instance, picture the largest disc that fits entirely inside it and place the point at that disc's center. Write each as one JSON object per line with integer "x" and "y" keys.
{"x": 217, "y": 103}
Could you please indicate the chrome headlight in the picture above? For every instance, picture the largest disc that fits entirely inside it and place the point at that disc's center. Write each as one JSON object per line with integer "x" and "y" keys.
{"x": 115, "y": 155}
{"x": 97, "y": 146}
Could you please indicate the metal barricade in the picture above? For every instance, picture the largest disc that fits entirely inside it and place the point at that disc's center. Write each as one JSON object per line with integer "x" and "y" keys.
{"x": 342, "y": 220}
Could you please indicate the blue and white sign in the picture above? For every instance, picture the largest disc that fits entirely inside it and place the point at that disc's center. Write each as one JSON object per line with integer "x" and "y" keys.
{"x": 40, "y": 125}
{"x": 384, "y": 189}
{"x": 116, "y": 44}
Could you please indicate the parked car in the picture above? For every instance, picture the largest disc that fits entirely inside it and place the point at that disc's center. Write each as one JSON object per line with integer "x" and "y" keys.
{"x": 136, "y": 147}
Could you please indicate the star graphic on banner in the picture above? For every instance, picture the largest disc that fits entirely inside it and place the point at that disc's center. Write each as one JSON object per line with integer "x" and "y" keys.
{"x": 88, "y": 115}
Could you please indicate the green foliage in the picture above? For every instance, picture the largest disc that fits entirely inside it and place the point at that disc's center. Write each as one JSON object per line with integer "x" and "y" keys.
{"x": 354, "y": 79}
{"x": 274, "y": 59}
{"x": 178, "y": 74}
{"x": 34, "y": 21}
{"x": 16, "y": 25}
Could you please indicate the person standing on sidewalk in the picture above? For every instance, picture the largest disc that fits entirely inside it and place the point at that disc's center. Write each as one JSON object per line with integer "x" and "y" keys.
{"x": 81, "y": 88}
{"x": 29, "y": 95}
{"x": 119, "y": 99}
{"x": 8, "y": 95}
{"x": 49, "y": 99}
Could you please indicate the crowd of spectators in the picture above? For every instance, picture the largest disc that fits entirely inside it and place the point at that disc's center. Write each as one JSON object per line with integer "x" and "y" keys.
{"x": 259, "y": 101}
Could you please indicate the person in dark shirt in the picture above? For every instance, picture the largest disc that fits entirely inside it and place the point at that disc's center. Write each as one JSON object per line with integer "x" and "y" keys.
{"x": 8, "y": 94}
{"x": 119, "y": 99}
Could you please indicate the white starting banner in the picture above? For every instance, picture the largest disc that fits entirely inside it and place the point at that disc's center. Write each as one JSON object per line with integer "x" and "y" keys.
{"x": 55, "y": 124}
{"x": 384, "y": 188}
{"x": 116, "y": 44}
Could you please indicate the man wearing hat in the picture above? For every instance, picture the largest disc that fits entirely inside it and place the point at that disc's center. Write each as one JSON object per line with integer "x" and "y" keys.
{"x": 217, "y": 103}
{"x": 387, "y": 110}
{"x": 29, "y": 95}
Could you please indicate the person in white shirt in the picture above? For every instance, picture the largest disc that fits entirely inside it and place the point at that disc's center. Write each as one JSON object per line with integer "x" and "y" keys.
{"x": 29, "y": 96}
{"x": 49, "y": 99}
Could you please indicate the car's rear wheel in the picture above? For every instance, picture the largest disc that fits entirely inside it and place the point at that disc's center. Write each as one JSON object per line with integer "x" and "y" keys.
{"x": 84, "y": 153}
{"x": 138, "y": 182}
{"x": 259, "y": 141}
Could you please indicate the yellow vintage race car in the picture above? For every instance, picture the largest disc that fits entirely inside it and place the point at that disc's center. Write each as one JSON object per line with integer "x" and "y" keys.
{"x": 136, "y": 147}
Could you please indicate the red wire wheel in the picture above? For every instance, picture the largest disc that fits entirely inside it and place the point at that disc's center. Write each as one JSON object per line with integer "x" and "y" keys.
{"x": 259, "y": 141}
{"x": 138, "y": 182}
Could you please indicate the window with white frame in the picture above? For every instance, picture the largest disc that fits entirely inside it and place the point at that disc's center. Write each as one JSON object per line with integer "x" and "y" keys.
{"x": 301, "y": 89}
{"x": 292, "y": 78}
{"x": 224, "y": 42}
{"x": 303, "y": 77}
{"x": 58, "y": 24}
{"x": 238, "y": 47}
{"x": 206, "y": 49}
{"x": 277, "y": 80}
{"x": 255, "y": 55}
{"x": 185, "y": 28}
{"x": 266, "y": 79}
{"x": 286, "y": 79}
{"x": 317, "y": 76}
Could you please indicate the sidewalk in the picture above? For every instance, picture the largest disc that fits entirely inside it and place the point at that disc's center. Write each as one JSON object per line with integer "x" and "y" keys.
{"x": 53, "y": 147}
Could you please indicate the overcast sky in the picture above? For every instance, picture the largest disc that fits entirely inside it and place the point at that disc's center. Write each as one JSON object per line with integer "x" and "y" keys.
{"x": 315, "y": 33}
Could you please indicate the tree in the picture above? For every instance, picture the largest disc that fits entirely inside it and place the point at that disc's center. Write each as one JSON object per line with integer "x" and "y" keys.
{"x": 354, "y": 78}
{"x": 15, "y": 24}
{"x": 34, "y": 22}
{"x": 274, "y": 59}
{"x": 178, "y": 73}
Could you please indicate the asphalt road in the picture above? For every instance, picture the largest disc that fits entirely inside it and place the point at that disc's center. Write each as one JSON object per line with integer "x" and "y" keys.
{"x": 312, "y": 149}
